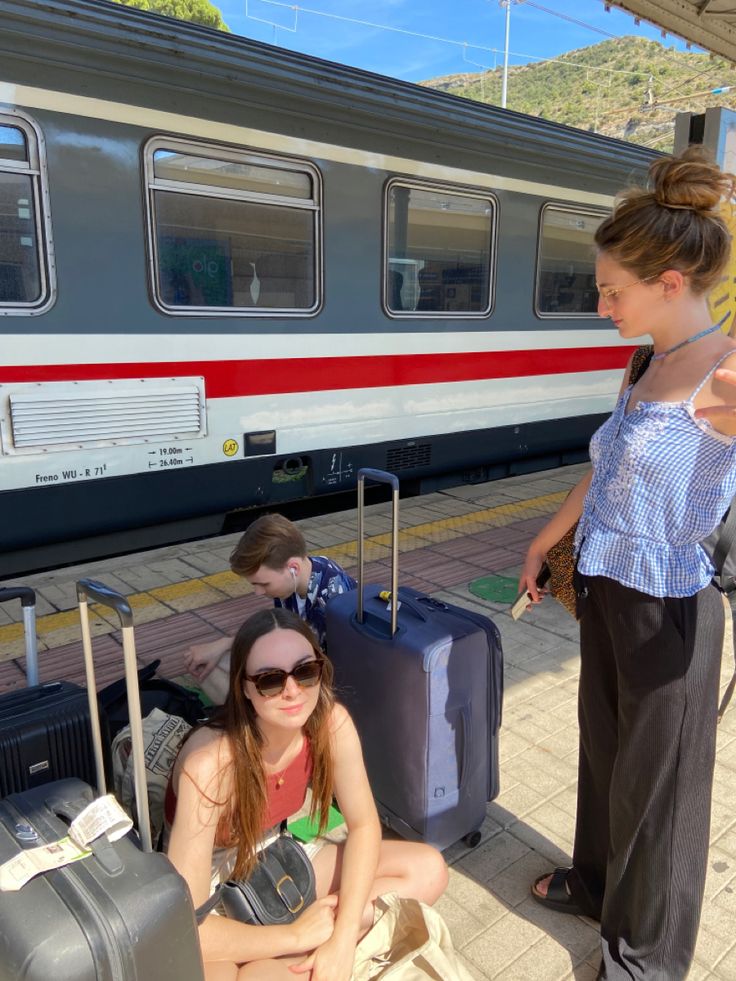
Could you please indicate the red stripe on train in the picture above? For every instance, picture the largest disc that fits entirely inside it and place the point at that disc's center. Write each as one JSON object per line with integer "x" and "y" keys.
{"x": 274, "y": 376}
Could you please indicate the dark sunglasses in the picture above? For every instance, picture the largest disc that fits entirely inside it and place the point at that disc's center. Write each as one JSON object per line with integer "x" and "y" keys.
{"x": 272, "y": 682}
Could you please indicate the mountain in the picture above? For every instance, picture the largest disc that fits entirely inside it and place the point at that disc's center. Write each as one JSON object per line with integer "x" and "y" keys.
{"x": 630, "y": 88}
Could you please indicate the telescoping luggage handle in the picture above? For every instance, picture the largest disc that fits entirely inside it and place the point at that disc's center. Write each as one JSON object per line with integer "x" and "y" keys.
{"x": 95, "y": 591}
{"x": 381, "y": 477}
{"x": 27, "y": 599}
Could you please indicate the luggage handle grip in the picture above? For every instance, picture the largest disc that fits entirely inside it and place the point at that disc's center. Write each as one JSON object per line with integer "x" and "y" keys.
{"x": 25, "y": 594}
{"x": 97, "y": 591}
{"x": 89, "y": 589}
{"x": 381, "y": 477}
{"x": 409, "y": 603}
{"x": 101, "y": 848}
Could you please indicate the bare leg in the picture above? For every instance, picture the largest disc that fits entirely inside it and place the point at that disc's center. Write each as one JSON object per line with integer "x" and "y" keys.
{"x": 412, "y": 870}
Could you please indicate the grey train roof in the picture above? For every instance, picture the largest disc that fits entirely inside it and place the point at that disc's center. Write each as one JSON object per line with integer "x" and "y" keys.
{"x": 96, "y": 48}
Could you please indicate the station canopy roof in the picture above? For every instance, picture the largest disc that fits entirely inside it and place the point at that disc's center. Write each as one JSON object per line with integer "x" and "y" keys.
{"x": 709, "y": 24}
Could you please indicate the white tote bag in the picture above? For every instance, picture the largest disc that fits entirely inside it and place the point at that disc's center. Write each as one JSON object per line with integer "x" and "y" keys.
{"x": 408, "y": 941}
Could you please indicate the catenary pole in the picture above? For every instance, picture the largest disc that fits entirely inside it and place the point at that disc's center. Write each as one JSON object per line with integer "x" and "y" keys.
{"x": 504, "y": 87}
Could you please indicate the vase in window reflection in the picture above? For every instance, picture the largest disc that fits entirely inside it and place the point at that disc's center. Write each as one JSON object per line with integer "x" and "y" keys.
{"x": 255, "y": 285}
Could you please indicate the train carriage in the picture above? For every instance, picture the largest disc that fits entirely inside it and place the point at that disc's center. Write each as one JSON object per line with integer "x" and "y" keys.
{"x": 231, "y": 275}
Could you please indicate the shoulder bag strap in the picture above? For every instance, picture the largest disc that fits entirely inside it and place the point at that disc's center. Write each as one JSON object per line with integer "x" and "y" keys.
{"x": 640, "y": 362}
{"x": 726, "y": 540}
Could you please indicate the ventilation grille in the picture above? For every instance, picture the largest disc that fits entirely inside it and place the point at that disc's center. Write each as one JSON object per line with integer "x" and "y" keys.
{"x": 92, "y": 413}
{"x": 408, "y": 457}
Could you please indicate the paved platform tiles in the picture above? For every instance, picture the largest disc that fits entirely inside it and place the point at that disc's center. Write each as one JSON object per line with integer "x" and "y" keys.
{"x": 185, "y": 594}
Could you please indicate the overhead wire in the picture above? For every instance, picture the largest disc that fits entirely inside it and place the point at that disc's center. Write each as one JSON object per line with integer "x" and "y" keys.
{"x": 297, "y": 9}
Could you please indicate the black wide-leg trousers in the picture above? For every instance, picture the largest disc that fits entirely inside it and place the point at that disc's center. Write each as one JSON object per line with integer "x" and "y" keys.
{"x": 647, "y": 710}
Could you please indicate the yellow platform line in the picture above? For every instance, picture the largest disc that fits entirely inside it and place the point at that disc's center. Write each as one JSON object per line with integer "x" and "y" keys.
{"x": 56, "y": 629}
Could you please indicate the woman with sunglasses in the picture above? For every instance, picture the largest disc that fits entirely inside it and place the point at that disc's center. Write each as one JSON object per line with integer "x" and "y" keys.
{"x": 239, "y": 776}
{"x": 651, "y": 623}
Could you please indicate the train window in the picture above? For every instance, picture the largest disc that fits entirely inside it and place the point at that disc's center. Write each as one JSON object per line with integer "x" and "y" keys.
{"x": 566, "y": 262}
{"x": 439, "y": 245}
{"x": 24, "y": 276}
{"x": 232, "y": 232}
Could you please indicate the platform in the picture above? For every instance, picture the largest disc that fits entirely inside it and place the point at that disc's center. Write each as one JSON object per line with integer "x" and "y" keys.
{"x": 448, "y": 541}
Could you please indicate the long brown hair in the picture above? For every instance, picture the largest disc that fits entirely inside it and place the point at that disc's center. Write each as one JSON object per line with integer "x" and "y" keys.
{"x": 239, "y": 721}
{"x": 675, "y": 223}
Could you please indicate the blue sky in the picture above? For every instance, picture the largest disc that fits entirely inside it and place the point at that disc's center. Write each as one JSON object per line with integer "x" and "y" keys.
{"x": 331, "y": 29}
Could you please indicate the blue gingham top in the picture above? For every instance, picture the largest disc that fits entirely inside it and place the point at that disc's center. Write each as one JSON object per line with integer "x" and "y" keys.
{"x": 662, "y": 481}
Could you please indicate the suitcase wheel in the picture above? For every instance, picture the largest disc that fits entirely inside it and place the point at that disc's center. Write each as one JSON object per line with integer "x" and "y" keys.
{"x": 472, "y": 839}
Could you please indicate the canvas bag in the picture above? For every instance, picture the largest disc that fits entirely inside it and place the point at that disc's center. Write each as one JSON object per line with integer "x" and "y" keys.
{"x": 162, "y": 737}
{"x": 409, "y": 941}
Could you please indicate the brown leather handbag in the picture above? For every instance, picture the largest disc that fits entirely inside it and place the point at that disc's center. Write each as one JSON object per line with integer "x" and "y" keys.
{"x": 561, "y": 556}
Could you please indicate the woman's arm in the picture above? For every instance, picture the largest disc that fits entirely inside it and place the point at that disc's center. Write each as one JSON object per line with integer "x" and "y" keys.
{"x": 355, "y": 799}
{"x": 335, "y": 958}
{"x": 561, "y": 522}
{"x": 201, "y": 794}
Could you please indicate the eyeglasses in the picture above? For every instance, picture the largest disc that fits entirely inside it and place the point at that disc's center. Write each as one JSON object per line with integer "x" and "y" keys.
{"x": 272, "y": 682}
{"x": 611, "y": 292}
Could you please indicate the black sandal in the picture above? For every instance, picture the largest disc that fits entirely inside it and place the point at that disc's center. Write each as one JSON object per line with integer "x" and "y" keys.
{"x": 557, "y": 896}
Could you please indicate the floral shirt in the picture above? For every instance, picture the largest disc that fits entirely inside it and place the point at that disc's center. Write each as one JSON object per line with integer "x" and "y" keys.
{"x": 327, "y": 580}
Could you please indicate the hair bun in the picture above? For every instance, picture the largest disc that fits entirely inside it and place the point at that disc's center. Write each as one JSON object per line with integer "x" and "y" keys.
{"x": 692, "y": 181}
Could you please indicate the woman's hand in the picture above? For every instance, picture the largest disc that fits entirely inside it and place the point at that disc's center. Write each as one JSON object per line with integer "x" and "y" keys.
{"x": 332, "y": 961}
{"x": 200, "y": 659}
{"x": 721, "y": 417}
{"x": 528, "y": 578}
{"x": 315, "y": 925}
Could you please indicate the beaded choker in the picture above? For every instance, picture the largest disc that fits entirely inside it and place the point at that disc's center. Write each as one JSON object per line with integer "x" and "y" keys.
{"x": 689, "y": 340}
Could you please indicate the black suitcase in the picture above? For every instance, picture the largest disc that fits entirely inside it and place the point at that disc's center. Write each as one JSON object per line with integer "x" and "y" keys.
{"x": 121, "y": 914}
{"x": 45, "y": 730}
{"x": 424, "y": 685}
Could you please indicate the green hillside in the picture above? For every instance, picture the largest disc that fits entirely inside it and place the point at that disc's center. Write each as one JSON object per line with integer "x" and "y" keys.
{"x": 630, "y": 88}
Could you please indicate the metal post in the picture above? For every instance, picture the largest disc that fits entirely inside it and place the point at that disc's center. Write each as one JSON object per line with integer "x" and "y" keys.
{"x": 504, "y": 87}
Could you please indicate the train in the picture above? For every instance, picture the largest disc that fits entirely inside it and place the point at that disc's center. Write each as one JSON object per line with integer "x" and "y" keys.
{"x": 231, "y": 275}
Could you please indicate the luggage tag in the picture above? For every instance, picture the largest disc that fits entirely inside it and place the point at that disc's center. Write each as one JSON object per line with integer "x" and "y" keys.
{"x": 103, "y": 816}
{"x": 385, "y": 595}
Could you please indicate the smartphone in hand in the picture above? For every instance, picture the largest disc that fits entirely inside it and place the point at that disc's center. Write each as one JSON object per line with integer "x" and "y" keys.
{"x": 523, "y": 601}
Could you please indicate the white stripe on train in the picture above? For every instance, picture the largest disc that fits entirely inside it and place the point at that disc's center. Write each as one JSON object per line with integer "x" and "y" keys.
{"x": 154, "y": 348}
{"x": 30, "y": 97}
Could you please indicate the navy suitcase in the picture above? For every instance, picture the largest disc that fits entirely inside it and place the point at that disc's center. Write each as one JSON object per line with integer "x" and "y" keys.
{"x": 424, "y": 685}
{"x": 121, "y": 914}
{"x": 44, "y": 729}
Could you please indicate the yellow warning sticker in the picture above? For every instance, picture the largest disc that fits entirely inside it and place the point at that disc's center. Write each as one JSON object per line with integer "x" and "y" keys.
{"x": 230, "y": 447}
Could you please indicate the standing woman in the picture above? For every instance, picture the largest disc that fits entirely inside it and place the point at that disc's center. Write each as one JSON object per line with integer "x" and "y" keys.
{"x": 651, "y": 627}
{"x": 246, "y": 771}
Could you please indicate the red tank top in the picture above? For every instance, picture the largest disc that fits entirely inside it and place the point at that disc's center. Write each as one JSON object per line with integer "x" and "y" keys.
{"x": 285, "y": 795}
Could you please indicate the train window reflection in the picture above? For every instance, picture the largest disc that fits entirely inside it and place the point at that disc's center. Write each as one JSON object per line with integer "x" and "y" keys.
{"x": 232, "y": 232}
{"x": 13, "y": 144}
{"x": 188, "y": 168}
{"x": 23, "y": 277}
{"x": 566, "y": 262}
{"x": 439, "y": 246}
